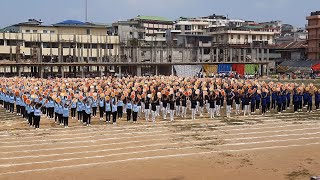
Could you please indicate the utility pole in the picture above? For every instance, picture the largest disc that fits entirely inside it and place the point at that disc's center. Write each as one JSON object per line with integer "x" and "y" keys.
{"x": 86, "y": 10}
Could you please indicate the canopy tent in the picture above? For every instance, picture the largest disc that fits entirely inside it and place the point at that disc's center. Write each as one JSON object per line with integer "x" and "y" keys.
{"x": 211, "y": 69}
{"x": 187, "y": 70}
{"x": 305, "y": 66}
{"x": 239, "y": 68}
{"x": 224, "y": 68}
{"x": 251, "y": 69}
{"x": 316, "y": 67}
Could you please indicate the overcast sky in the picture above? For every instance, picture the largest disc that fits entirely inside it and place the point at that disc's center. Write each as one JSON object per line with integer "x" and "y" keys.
{"x": 108, "y": 11}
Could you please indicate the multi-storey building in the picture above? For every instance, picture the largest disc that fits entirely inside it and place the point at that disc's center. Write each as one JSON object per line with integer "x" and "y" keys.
{"x": 65, "y": 42}
{"x": 314, "y": 35}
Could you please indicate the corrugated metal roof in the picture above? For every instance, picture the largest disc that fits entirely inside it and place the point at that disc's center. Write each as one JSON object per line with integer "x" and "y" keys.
{"x": 153, "y": 18}
{"x": 306, "y": 63}
{"x": 292, "y": 45}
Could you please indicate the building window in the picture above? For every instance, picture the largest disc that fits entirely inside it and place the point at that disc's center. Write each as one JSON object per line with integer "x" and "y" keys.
{"x": 260, "y": 37}
{"x": 28, "y": 31}
{"x": 247, "y": 37}
{"x": 254, "y": 37}
{"x": 88, "y": 32}
{"x": 45, "y": 31}
{"x": 35, "y": 31}
{"x": 110, "y": 46}
{"x": 268, "y": 38}
{"x": 163, "y": 35}
{"x": 51, "y": 32}
{"x": 231, "y": 36}
{"x": 239, "y": 37}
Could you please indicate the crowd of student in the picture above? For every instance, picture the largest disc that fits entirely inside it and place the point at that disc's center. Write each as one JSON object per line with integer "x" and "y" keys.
{"x": 148, "y": 98}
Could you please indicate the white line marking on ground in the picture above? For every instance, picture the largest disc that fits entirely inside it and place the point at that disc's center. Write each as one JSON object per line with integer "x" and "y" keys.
{"x": 155, "y": 157}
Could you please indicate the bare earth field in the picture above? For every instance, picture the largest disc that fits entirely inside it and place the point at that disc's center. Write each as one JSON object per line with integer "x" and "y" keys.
{"x": 282, "y": 146}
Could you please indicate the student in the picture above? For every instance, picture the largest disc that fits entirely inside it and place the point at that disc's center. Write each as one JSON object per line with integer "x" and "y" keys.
{"x": 101, "y": 108}
{"x": 129, "y": 109}
{"x": 94, "y": 106}
{"x": 268, "y": 100}
{"x": 284, "y": 100}
{"x": 253, "y": 102}
{"x": 31, "y": 114}
{"x": 11, "y": 101}
{"x": 60, "y": 113}
{"x": 309, "y": 106}
{"x": 274, "y": 99}
{"x": 305, "y": 98}
{"x": 65, "y": 115}
{"x": 229, "y": 99}
{"x": 139, "y": 104}
{"x": 201, "y": 104}
{"x": 18, "y": 105}
{"x": 264, "y": 103}
{"x": 158, "y": 107}
{"x": 237, "y": 98}
{"x": 295, "y": 101}
{"x": 218, "y": 103}
{"x": 114, "y": 112}
{"x": 73, "y": 110}
{"x": 120, "y": 108}
{"x": 178, "y": 105}
{"x": 147, "y": 109}
{"x": 246, "y": 104}
{"x": 171, "y": 104}
{"x": 23, "y": 109}
{"x": 258, "y": 101}
{"x": 193, "y": 107}
{"x": 317, "y": 100}
{"x": 288, "y": 99}
{"x": 108, "y": 111}
{"x": 80, "y": 106}
{"x": 135, "y": 111}
{"x": 51, "y": 106}
{"x": 56, "y": 108}
{"x": 211, "y": 105}
{"x": 184, "y": 106}
{"x": 87, "y": 108}
{"x": 279, "y": 102}
{"x": 37, "y": 116}
{"x": 164, "y": 106}
{"x": 300, "y": 98}
{"x": 153, "y": 110}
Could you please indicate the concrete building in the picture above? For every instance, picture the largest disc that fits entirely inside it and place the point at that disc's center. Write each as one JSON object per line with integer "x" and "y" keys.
{"x": 243, "y": 35}
{"x": 66, "y": 42}
{"x": 314, "y": 35}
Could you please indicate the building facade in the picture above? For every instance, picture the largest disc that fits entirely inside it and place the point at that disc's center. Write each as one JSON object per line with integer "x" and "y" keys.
{"x": 65, "y": 42}
{"x": 314, "y": 35}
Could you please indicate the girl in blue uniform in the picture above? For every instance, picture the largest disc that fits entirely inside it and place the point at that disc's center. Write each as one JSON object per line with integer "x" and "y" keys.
{"x": 101, "y": 108}
{"x": 87, "y": 108}
{"x": 114, "y": 112}
{"x": 94, "y": 108}
{"x": 129, "y": 109}
{"x": 37, "y": 116}
{"x": 65, "y": 115}
{"x": 135, "y": 111}
{"x": 108, "y": 110}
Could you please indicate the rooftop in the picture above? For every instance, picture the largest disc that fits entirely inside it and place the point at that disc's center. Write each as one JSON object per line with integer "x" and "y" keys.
{"x": 153, "y": 18}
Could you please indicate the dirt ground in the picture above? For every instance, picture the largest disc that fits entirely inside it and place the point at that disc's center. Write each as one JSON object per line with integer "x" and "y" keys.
{"x": 268, "y": 147}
